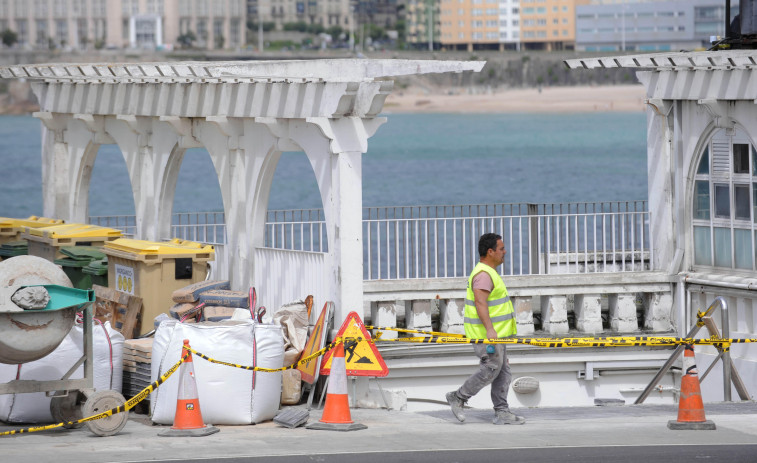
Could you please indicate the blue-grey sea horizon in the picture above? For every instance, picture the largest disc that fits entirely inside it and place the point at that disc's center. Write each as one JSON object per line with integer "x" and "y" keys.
{"x": 414, "y": 159}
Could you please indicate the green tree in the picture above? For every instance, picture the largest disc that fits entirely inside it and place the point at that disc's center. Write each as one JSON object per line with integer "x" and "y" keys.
{"x": 9, "y": 37}
{"x": 335, "y": 32}
{"x": 315, "y": 28}
{"x": 186, "y": 39}
{"x": 299, "y": 26}
{"x": 268, "y": 26}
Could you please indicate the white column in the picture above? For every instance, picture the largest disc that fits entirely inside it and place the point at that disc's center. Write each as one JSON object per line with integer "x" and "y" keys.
{"x": 338, "y": 169}
{"x": 158, "y": 31}
{"x": 221, "y": 136}
{"x": 148, "y": 148}
{"x": 54, "y": 166}
{"x": 132, "y": 32}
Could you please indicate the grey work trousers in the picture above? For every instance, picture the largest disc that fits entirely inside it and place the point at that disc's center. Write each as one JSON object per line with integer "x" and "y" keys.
{"x": 493, "y": 369}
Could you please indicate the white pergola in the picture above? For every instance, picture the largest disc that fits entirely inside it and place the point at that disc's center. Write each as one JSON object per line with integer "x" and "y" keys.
{"x": 245, "y": 114}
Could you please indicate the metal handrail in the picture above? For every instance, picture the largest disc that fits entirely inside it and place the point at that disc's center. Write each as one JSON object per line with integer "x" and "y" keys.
{"x": 719, "y": 301}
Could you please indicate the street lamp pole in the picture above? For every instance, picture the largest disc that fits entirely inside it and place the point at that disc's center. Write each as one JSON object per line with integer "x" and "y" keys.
{"x": 430, "y": 16}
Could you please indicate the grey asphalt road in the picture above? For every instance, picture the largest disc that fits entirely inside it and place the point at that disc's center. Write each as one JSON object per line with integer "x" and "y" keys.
{"x": 741, "y": 453}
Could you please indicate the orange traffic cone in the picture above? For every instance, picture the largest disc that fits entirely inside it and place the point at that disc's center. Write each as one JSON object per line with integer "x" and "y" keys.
{"x": 188, "y": 419}
{"x": 690, "y": 406}
{"x": 336, "y": 412}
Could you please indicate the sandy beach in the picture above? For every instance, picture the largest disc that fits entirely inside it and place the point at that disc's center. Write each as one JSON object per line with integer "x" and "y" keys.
{"x": 616, "y": 98}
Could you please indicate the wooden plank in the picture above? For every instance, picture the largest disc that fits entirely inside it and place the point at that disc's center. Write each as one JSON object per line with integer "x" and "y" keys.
{"x": 122, "y": 310}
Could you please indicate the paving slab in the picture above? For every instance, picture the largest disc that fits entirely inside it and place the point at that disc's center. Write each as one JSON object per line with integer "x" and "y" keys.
{"x": 387, "y": 431}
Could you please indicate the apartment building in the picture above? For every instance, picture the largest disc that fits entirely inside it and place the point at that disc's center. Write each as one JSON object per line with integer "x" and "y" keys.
{"x": 548, "y": 24}
{"x": 479, "y": 24}
{"x": 649, "y": 26}
{"x": 508, "y": 24}
{"x": 326, "y": 13}
{"x": 423, "y": 23}
{"x": 124, "y": 23}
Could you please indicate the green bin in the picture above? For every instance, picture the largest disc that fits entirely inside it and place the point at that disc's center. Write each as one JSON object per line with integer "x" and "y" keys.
{"x": 79, "y": 257}
{"x": 13, "y": 249}
{"x": 98, "y": 272}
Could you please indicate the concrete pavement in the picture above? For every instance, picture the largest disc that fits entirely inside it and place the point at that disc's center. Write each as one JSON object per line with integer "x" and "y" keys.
{"x": 434, "y": 430}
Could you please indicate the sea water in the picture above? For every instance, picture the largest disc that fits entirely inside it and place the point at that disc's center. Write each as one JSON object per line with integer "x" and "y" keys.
{"x": 414, "y": 159}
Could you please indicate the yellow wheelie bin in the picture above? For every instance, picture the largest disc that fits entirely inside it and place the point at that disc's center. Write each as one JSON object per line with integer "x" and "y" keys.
{"x": 47, "y": 242}
{"x": 11, "y": 230}
{"x": 154, "y": 270}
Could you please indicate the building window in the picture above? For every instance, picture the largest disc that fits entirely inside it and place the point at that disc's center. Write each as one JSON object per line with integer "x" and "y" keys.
{"x": 61, "y": 31}
{"x": 41, "y": 32}
{"x": 724, "y": 203}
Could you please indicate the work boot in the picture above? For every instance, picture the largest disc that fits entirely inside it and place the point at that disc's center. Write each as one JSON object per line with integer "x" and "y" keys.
{"x": 507, "y": 417}
{"x": 457, "y": 404}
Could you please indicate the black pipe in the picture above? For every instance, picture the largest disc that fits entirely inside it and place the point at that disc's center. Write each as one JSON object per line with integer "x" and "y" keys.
{"x": 727, "y": 19}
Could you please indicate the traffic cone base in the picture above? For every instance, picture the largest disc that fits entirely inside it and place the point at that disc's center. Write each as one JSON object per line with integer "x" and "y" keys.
{"x": 197, "y": 432}
{"x": 188, "y": 419}
{"x": 706, "y": 425}
{"x": 336, "y": 426}
{"x": 336, "y": 412}
{"x": 690, "y": 405}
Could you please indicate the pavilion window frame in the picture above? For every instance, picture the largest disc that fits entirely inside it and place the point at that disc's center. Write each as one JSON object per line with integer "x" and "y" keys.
{"x": 712, "y": 232}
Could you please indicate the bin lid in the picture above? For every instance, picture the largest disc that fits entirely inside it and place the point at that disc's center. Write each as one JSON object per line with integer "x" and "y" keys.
{"x": 73, "y": 230}
{"x": 156, "y": 251}
{"x": 97, "y": 267}
{"x": 83, "y": 253}
{"x": 15, "y": 245}
{"x": 69, "y": 262}
{"x": 8, "y": 224}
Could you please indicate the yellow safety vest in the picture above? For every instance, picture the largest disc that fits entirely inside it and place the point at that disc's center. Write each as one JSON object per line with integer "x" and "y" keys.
{"x": 500, "y": 307}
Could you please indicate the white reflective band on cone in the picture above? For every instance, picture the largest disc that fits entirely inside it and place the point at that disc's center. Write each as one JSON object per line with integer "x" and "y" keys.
{"x": 338, "y": 379}
{"x": 187, "y": 385}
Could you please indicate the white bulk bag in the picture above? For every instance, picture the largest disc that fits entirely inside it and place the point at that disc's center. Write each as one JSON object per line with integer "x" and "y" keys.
{"x": 108, "y": 347}
{"x": 227, "y": 395}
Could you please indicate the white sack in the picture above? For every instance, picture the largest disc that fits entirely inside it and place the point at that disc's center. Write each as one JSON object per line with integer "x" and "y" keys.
{"x": 108, "y": 372}
{"x": 227, "y": 395}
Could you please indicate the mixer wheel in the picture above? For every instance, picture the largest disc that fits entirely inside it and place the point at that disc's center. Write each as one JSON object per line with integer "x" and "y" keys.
{"x": 100, "y": 402}
{"x": 66, "y": 408}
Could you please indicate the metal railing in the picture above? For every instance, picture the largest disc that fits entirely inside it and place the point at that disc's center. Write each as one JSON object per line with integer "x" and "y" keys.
{"x": 535, "y": 244}
{"x": 441, "y": 241}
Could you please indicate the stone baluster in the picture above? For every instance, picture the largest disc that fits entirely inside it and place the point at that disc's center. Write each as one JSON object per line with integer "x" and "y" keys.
{"x": 384, "y": 313}
{"x": 657, "y": 308}
{"x": 588, "y": 311}
{"x": 524, "y": 315}
{"x": 419, "y": 315}
{"x": 623, "y": 312}
{"x": 451, "y": 315}
{"x": 554, "y": 314}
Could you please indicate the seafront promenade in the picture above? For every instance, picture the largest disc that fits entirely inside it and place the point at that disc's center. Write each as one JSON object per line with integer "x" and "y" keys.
{"x": 611, "y": 430}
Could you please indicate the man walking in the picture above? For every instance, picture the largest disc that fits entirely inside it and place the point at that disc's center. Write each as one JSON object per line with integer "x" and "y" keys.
{"x": 489, "y": 314}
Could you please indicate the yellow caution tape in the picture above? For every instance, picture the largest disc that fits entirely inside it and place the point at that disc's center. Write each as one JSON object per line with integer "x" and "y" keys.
{"x": 303, "y": 361}
{"x": 131, "y": 403}
{"x": 617, "y": 341}
{"x": 401, "y": 330}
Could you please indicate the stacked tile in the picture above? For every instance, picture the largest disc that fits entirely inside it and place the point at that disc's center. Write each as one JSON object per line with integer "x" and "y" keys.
{"x": 137, "y": 362}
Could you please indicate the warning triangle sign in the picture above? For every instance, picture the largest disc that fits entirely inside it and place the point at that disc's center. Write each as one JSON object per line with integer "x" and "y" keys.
{"x": 361, "y": 358}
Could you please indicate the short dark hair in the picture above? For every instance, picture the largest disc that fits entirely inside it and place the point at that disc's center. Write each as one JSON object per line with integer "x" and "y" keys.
{"x": 486, "y": 242}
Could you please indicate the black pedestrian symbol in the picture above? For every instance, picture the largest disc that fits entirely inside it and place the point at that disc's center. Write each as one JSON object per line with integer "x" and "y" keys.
{"x": 350, "y": 347}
